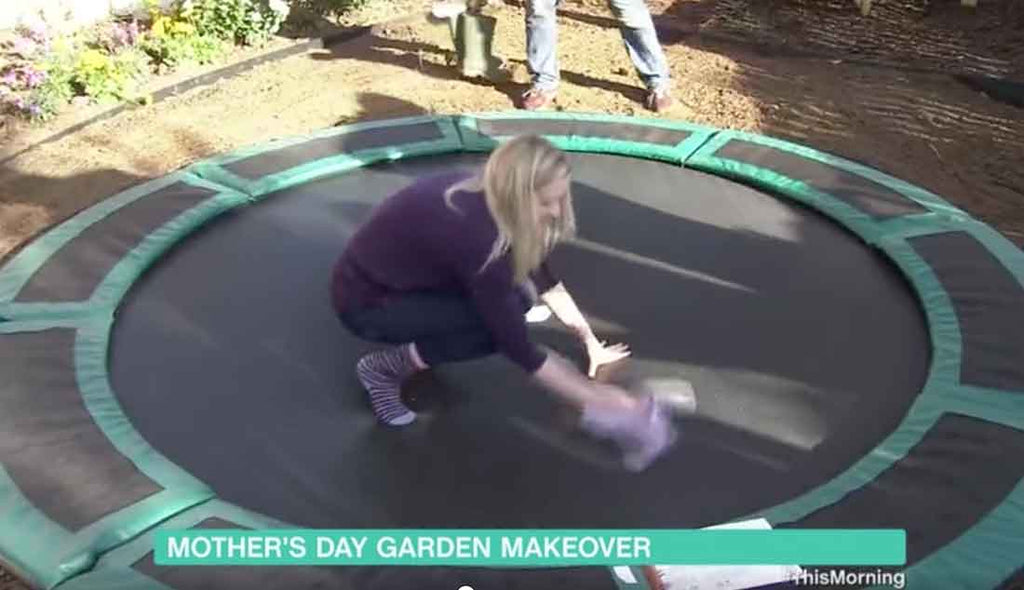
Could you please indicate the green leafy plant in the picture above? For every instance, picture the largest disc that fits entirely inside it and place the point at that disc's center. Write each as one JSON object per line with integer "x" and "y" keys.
{"x": 243, "y": 22}
{"x": 57, "y": 89}
{"x": 174, "y": 39}
{"x": 41, "y": 72}
{"x": 35, "y": 78}
{"x": 109, "y": 77}
{"x": 331, "y": 8}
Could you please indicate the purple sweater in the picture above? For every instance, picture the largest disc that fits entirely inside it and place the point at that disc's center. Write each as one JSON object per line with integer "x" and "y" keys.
{"x": 413, "y": 241}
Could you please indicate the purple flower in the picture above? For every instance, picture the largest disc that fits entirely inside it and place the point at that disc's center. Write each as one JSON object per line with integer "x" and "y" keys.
{"x": 24, "y": 46}
{"x": 123, "y": 35}
{"x": 19, "y": 103}
{"x": 10, "y": 78}
{"x": 119, "y": 35}
{"x": 35, "y": 110}
{"x": 33, "y": 77}
{"x": 37, "y": 31}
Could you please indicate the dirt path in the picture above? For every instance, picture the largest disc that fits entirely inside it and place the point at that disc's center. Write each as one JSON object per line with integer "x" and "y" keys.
{"x": 924, "y": 128}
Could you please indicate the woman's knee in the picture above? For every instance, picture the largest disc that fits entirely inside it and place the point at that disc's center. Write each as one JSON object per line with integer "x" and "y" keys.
{"x": 632, "y": 14}
{"x": 456, "y": 347}
{"x": 356, "y": 324}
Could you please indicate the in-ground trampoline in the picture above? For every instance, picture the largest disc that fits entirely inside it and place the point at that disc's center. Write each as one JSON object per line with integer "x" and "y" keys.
{"x": 170, "y": 360}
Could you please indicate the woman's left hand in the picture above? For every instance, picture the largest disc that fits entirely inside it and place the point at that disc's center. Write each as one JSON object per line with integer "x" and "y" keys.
{"x": 600, "y": 354}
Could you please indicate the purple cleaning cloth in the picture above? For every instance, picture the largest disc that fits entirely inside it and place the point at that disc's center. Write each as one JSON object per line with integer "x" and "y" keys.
{"x": 643, "y": 435}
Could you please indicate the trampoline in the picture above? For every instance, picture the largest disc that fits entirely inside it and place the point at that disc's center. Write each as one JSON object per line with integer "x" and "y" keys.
{"x": 171, "y": 361}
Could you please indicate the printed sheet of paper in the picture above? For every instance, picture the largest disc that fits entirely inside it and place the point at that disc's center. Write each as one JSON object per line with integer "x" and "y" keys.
{"x": 728, "y": 577}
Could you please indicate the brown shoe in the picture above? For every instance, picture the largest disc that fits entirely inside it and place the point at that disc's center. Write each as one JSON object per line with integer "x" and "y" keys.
{"x": 537, "y": 98}
{"x": 659, "y": 100}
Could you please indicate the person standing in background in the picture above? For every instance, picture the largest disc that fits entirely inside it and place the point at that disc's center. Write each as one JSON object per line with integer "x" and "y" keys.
{"x": 638, "y": 35}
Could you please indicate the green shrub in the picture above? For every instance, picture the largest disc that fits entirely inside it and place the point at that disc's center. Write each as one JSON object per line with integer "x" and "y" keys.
{"x": 173, "y": 39}
{"x": 35, "y": 73}
{"x": 331, "y": 8}
{"x": 243, "y": 22}
{"x": 57, "y": 89}
{"x": 42, "y": 73}
{"x": 107, "y": 77}
{"x": 169, "y": 51}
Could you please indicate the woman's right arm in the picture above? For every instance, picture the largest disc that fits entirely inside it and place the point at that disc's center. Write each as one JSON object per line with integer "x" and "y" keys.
{"x": 563, "y": 379}
{"x": 500, "y": 308}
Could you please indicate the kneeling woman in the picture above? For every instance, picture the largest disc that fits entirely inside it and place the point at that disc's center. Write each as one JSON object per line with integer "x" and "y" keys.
{"x": 446, "y": 269}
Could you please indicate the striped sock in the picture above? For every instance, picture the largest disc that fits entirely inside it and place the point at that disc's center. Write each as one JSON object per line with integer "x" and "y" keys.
{"x": 382, "y": 374}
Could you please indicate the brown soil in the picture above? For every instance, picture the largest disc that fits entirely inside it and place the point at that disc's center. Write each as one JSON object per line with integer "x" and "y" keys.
{"x": 923, "y": 127}
{"x": 930, "y": 34}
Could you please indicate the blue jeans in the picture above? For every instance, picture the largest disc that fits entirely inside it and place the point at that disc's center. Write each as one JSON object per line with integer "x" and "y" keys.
{"x": 638, "y": 35}
{"x": 445, "y": 326}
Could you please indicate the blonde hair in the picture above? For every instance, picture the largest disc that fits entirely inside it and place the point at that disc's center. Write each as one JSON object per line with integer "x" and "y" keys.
{"x": 514, "y": 173}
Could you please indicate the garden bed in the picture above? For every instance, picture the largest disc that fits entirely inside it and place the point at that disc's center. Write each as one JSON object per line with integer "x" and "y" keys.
{"x": 18, "y": 133}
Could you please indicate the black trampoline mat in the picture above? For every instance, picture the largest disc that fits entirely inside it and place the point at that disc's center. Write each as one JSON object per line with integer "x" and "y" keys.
{"x": 805, "y": 348}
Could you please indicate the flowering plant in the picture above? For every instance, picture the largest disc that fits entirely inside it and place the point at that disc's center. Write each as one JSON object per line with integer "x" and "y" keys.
{"x": 41, "y": 71}
{"x": 118, "y": 35}
{"x": 29, "y": 86}
{"x": 245, "y": 22}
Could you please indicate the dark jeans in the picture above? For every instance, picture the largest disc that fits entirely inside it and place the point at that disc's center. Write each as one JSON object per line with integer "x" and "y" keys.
{"x": 445, "y": 326}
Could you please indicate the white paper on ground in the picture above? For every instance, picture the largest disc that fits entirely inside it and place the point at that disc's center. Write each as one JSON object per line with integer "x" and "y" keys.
{"x": 728, "y": 577}
{"x": 625, "y": 574}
